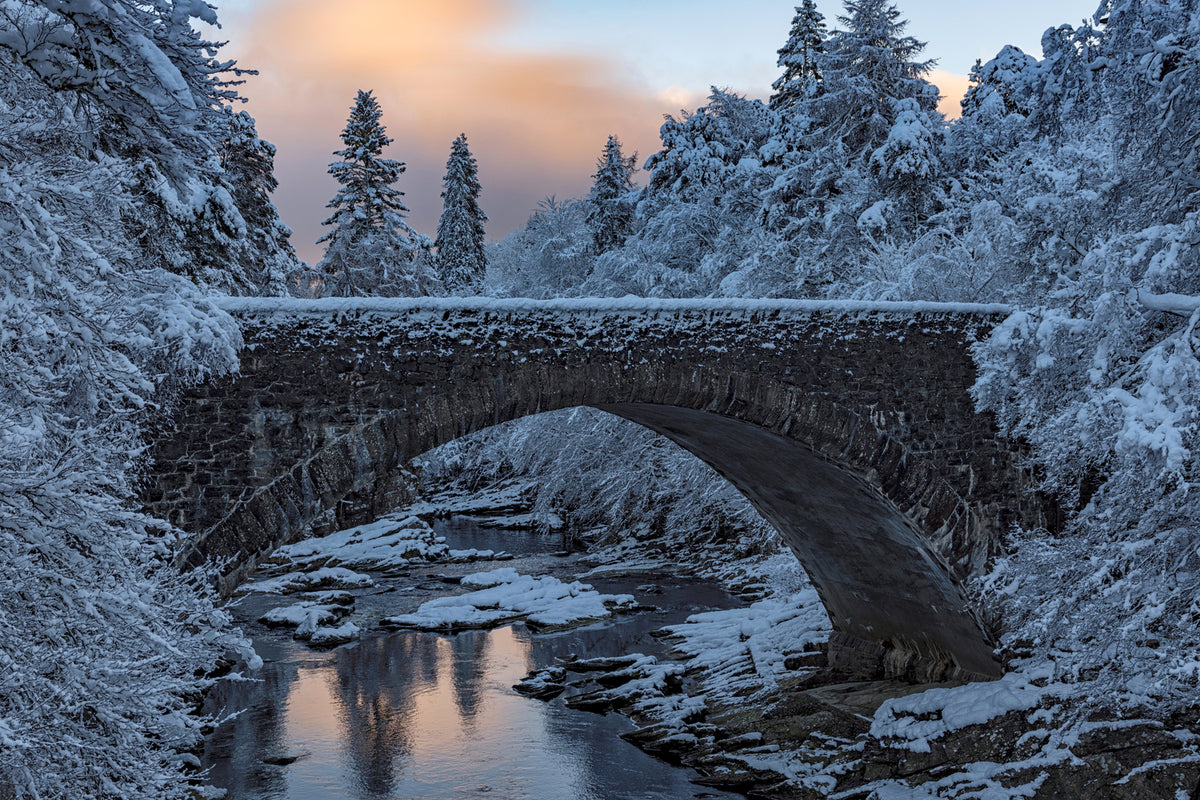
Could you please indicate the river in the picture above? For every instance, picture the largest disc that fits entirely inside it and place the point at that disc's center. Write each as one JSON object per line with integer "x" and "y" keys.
{"x": 422, "y": 715}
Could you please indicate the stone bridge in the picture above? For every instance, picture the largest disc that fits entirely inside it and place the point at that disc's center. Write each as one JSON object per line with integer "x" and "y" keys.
{"x": 848, "y": 426}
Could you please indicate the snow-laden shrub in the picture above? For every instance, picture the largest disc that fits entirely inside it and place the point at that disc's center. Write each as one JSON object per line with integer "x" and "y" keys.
{"x": 608, "y": 476}
{"x": 978, "y": 264}
{"x": 1106, "y": 387}
{"x": 550, "y": 257}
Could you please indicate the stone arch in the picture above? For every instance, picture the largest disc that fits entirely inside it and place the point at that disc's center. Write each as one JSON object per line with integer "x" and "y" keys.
{"x": 872, "y": 404}
{"x": 888, "y": 570}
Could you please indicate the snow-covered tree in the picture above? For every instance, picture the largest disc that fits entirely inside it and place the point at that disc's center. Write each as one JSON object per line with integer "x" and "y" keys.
{"x": 799, "y": 58}
{"x": 1097, "y": 369}
{"x": 865, "y": 145}
{"x": 371, "y": 249}
{"x": 265, "y": 252}
{"x": 869, "y": 64}
{"x": 703, "y": 150}
{"x": 906, "y": 166}
{"x": 612, "y": 204}
{"x": 103, "y": 643}
{"x": 461, "y": 258}
{"x": 1008, "y": 79}
{"x": 550, "y": 257}
{"x": 186, "y": 218}
{"x": 704, "y": 191}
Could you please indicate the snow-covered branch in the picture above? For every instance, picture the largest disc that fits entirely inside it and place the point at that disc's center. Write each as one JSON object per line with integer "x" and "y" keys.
{"x": 1182, "y": 305}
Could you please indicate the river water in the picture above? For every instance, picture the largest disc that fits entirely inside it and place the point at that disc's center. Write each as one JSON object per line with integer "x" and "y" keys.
{"x": 421, "y": 715}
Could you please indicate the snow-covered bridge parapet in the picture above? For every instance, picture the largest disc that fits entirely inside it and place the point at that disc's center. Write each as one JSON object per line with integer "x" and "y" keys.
{"x": 849, "y": 426}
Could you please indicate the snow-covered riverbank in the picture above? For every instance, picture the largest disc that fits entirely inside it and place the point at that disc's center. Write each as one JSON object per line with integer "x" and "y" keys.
{"x": 743, "y": 695}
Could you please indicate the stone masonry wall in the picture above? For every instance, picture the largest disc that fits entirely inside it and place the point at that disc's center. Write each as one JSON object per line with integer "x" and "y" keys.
{"x": 333, "y": 399}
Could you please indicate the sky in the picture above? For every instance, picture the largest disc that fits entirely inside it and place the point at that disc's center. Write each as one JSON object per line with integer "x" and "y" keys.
{"x": 537, "y": 85}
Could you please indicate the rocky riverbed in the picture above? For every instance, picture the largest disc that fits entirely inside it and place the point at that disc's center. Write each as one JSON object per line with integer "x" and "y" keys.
{"x": 735, "y": 686}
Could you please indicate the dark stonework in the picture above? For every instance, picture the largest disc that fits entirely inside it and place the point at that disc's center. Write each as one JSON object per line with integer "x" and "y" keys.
{"x": 852, "y": 431}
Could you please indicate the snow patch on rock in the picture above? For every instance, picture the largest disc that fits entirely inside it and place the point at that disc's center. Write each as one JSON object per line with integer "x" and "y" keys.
{"x": 508, "y": 596}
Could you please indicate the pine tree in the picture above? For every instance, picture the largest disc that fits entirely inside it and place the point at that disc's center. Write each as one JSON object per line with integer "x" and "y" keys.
{"x": 800, "y": 58}
{"x": 264, "y": 251}
{"x": 610, "y": 215}
{"x": 461, "y": 260}
{"x": 868, "y": 66}
{"x": 371, "y": 249}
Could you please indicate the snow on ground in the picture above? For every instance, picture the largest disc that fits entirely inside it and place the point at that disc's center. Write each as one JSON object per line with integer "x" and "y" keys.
{"x": 738, "y": 655}
{"x": 642, "y": 680}
{"x": 506, "y": 596}
{"x": 391, "y": 542}
{"x": 631, "y": 567}
{"x": 323, "y": 578}
{"x": 522, "y": 522}
{"x": 744, "y": 650}
{"x": 515, "y": 496}
{"x": 912, "y": 722}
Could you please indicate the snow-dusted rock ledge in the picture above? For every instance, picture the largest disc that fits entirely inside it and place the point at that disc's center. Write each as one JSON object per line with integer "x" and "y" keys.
{"x": 506, "y": 596}
{"x": 409, "y": 306}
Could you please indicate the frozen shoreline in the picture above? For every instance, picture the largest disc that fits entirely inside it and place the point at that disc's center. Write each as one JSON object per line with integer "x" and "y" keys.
{"x": 741, "y": 697}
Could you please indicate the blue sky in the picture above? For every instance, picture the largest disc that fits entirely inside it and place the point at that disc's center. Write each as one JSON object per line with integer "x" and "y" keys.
{"x": 690, "y": 42}
{"x": 537, "y": 85}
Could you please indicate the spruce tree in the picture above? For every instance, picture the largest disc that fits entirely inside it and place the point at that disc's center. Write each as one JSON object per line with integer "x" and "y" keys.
{"x": 461, "y": 260}
{"x": 610, "y": 213}
{"x": 869, "y": 66}
{"x": 799, "y": 59}
{"x": 371, "y": 249}
{"x": 264, "y": 253}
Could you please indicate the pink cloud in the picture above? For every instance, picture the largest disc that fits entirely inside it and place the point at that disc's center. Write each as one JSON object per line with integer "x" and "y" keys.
{"x": 535, "y": 121}
{"x": 953, "y": 87}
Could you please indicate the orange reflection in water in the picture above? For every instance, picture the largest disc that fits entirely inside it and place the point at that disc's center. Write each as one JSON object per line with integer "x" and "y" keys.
{"x": 420, "y": 715}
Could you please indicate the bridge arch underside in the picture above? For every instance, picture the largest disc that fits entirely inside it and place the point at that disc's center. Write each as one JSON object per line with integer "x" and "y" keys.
{"x": 894, "y": 605}
{"x": 885, "y": 539}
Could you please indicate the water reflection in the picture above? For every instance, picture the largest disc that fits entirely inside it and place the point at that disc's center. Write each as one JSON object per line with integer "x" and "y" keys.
{"x": 416, "y": 715}
{"x": 469, "y": 662}
{"x": 261, "y": 706}
{"x": 374, "y": 710}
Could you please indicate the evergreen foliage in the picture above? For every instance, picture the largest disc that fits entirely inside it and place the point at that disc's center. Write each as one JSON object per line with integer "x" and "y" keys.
{"x": 800, "y": 58}
{"x": 868, "y": 66}
{"x": 461, "y": 258}
{"x": 612, "y": 206}
{"x": 248, "y": 162}
{"x": 103, "y": 643}
{"x": 371, "y": 249}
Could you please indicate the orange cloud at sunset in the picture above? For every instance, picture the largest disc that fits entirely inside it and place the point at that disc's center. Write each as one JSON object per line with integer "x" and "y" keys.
{"x": 953, "y": 87}
{"x": 536, "y": 122}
